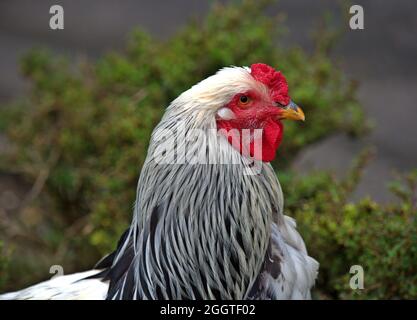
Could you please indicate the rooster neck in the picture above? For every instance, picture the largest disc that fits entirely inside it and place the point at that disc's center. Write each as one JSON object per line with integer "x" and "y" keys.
{"x": 219, "y": 220}
{"x": 199, "y": 230}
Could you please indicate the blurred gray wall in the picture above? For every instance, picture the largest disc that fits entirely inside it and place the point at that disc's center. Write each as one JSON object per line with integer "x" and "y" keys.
{"x": 382, "y": 58}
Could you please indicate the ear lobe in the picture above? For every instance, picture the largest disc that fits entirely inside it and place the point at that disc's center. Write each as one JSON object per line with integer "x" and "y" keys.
{"x": 225, "y": 114}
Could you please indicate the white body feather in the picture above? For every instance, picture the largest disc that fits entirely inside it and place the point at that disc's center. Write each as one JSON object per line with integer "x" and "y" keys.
{"x": 298, "y": 270}
{"x": 65, "y": 287}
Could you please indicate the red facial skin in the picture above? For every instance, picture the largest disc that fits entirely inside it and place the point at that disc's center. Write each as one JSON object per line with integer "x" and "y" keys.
{"x": 256, "y": 114}
{"x": 260, "y": 112}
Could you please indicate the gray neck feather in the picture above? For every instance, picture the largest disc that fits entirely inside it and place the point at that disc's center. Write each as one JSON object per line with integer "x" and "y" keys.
{"x": 200, "y": 230}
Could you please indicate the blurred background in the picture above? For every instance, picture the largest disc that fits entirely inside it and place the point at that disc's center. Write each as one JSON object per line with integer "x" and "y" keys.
{"x": 96, "y": 89}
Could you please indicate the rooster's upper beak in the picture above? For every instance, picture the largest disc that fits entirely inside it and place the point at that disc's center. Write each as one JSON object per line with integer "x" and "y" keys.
{"x": 292, "y": 112}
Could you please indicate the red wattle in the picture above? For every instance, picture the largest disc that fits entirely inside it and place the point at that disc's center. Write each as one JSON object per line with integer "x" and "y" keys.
{"x": 272, "y": 131}
{"x": 271, "y": 139}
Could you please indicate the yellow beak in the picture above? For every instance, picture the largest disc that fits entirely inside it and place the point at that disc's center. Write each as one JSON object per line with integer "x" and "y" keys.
{"x": 292, "y": 112}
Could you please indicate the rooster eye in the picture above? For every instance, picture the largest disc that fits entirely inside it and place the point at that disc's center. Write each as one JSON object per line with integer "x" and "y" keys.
{"x": 244, "y": 99}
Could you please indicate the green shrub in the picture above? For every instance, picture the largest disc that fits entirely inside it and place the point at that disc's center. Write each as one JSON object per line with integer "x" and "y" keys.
{"x": 82, "y": 132}
{"x": 340, "y": 234}
{"x": 3, "y": 265}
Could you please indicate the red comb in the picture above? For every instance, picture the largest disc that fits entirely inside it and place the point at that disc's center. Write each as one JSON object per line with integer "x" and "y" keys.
{"x": 275, "y": 81}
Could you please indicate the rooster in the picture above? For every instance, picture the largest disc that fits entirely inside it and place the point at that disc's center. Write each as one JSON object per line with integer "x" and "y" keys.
{"x": 208, "y": 219}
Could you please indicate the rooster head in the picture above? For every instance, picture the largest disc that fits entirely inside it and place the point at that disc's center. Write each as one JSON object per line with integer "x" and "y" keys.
{"x": 241, "y": 102}
{"x": 261, "y": 106}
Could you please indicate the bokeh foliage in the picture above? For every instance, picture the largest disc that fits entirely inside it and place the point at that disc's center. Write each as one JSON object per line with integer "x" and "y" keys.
{"x": 340, "y": 234}
{"x": 81, "y": 135}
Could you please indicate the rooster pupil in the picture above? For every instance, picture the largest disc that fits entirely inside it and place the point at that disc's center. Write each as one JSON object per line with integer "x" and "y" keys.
{"x": 244, "y": 99}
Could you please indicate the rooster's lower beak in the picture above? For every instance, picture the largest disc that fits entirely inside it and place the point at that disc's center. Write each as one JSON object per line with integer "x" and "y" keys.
{"x": 292, "y": 112}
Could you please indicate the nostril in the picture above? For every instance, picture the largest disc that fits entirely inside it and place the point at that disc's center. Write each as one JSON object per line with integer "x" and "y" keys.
{"x": 278, "y": 104}
{"x": 290, "y": 105}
